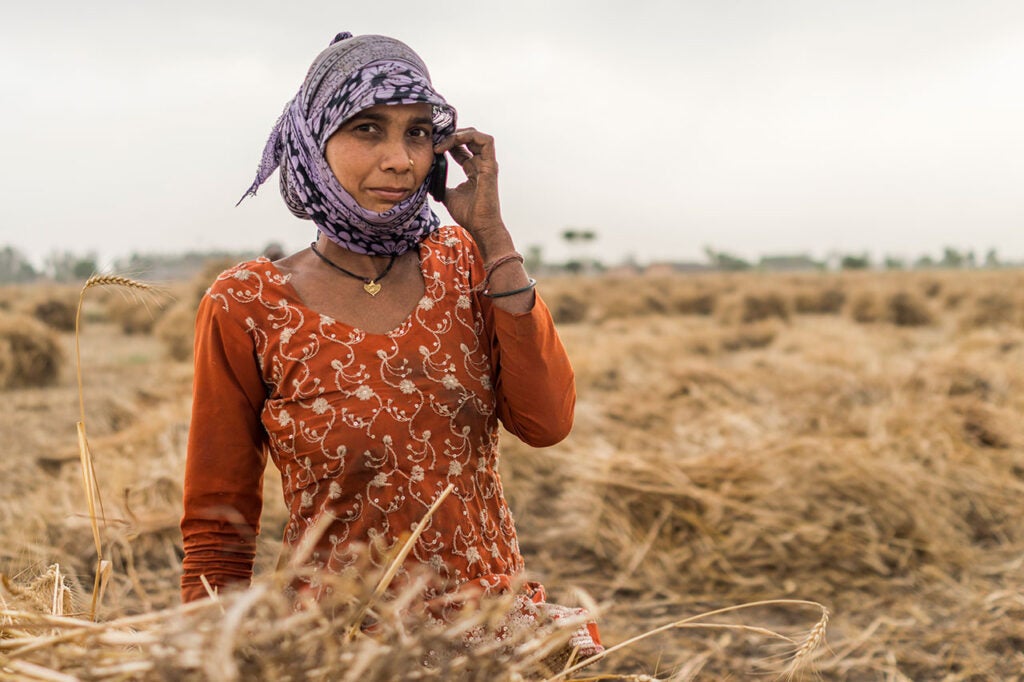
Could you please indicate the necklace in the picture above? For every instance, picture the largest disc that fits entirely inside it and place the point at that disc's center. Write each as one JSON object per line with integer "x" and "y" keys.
{"x": 371, "y": 285}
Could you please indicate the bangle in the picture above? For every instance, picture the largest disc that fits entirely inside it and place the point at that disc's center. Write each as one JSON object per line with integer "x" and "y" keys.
{"x": 503, "y": 294}
{"x": 501, "y": 260}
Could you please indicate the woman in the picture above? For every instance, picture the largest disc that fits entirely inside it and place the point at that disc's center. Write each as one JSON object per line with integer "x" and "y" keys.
{"x": 375, "y": 366}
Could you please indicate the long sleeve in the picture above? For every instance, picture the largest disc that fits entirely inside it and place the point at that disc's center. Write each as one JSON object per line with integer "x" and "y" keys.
{"x": 223, "y": 494}
{"x": 535, "y": 383}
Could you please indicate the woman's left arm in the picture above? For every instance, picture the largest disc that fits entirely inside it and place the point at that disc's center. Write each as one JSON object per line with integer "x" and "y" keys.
{"x": 534, "y": 382}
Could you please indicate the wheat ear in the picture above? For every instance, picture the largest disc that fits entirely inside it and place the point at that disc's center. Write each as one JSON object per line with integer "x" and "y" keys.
{"x": 802, "y": 656}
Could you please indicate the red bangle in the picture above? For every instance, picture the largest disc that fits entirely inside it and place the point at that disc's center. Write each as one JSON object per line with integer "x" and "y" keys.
{"x": 501, "y": 260}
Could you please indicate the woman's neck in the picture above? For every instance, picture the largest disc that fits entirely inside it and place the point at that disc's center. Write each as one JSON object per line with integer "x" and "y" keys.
{"x": 366, "y": 265}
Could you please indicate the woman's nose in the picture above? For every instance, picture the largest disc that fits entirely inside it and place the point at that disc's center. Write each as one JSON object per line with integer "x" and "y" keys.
{"x": 395, "y": 157}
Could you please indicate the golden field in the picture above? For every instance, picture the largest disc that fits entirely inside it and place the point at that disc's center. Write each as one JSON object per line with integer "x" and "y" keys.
{"x": 852, "y": 439}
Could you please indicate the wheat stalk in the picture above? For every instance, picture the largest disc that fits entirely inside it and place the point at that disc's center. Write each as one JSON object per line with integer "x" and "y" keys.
{"x": 92, "y": 491}
{"x": 397, "y": 561}
{"x": 815, "y": 637}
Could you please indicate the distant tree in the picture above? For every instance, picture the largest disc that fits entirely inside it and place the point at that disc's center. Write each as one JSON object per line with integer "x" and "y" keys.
{"x": 895, "y": 263}
{"x": 65, "y": 266}
{"x": 924, "y": 262}
{"x": 580, "y": 261}
{"x": 533, "y": 259}
{"x": 952, "y": 258}
{"x": 855, "y": 261}
{"x": 992, "y": 259}
{"x": 725, "y": 261}
{"x": 15, "y": 267}
{"x": 573, "y": 235}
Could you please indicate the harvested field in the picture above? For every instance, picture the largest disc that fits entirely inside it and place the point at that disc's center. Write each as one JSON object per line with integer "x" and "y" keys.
{"x": 852, "y": 439}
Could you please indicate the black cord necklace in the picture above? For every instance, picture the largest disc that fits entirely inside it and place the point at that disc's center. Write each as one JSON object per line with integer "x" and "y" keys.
{"x": 371, "y": 285}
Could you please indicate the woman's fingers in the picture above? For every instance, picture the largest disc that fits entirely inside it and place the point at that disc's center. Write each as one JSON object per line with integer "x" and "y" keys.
{"x": 469, "y": 142}
{"x": 460, "y": 154}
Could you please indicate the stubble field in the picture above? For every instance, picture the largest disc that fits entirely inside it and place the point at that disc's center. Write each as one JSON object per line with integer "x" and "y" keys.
{"x": 852, "y": 439}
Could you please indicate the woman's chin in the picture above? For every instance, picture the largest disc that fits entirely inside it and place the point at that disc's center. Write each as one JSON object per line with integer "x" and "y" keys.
{"x": 378, "y": 206}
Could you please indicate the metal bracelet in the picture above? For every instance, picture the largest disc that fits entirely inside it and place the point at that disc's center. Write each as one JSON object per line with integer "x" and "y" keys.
{"x": 503, "y": 294}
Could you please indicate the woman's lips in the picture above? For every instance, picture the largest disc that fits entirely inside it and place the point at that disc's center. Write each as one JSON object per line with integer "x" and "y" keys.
{"x": 394, "y": 194}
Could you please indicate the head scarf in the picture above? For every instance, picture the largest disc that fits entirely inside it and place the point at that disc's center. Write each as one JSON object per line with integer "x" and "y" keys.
{"x": 351, "y": 75}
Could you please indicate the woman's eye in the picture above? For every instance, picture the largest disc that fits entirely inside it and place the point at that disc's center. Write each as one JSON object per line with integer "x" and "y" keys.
{"x": 420, "y": 132}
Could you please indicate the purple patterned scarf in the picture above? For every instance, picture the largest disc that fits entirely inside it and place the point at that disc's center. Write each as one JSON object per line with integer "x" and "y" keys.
{"x": 351, "y": 75}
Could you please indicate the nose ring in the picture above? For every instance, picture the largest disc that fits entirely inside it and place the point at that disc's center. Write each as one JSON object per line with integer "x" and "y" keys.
{"x": 411, "y": 163}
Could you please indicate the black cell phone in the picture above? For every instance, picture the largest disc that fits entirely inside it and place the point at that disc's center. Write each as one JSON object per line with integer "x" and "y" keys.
{"x": 438, "y": 177}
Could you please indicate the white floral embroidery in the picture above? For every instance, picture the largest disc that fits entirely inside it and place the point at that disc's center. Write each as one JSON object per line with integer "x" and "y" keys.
{"x": 344, "y": 390}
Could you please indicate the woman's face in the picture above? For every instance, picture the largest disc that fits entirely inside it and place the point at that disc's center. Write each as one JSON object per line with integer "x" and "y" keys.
{"x": 383, "y": 154}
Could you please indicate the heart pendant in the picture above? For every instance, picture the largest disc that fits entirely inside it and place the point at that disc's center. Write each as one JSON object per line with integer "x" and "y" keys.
{"x": 372, "y": 288}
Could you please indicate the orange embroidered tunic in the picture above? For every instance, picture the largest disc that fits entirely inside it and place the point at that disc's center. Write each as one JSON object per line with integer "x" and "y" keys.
{"x": 368, "y": 428}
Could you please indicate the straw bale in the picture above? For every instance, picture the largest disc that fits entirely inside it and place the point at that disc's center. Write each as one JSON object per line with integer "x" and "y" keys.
{"x": 931, "y": 288}
{"x": 746, "y": 307}
{"x": 821, "y": 301}
{"x": 30, "y": 355}
{"x": 990, "y": 309}
{"x": 985, "y": 426}
{"x": 693, "y": 302}
{"x": 133, "y": 314}
{"x": 566, "y": 307}
{"x": 176, "y": 329}
{"x": 866, "y": 307}
{"x": 749, "y": 336}
{"x": 905, "y": 309}
{"x": 57, "y": 313}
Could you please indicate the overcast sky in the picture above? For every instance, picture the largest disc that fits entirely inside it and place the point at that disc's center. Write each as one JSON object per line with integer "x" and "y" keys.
{"x": 751, "y": 126}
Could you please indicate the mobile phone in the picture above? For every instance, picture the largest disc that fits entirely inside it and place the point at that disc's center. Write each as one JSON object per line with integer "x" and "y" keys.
{"x": 438, "y": 177}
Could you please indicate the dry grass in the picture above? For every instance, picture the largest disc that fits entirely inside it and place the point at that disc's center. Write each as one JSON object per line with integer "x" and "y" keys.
{"x": 874, "y": 467}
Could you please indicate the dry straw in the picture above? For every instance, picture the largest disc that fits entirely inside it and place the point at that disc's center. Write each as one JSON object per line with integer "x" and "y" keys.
{"x": 876, "y": 469}
{"x": 798, "y": 663}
